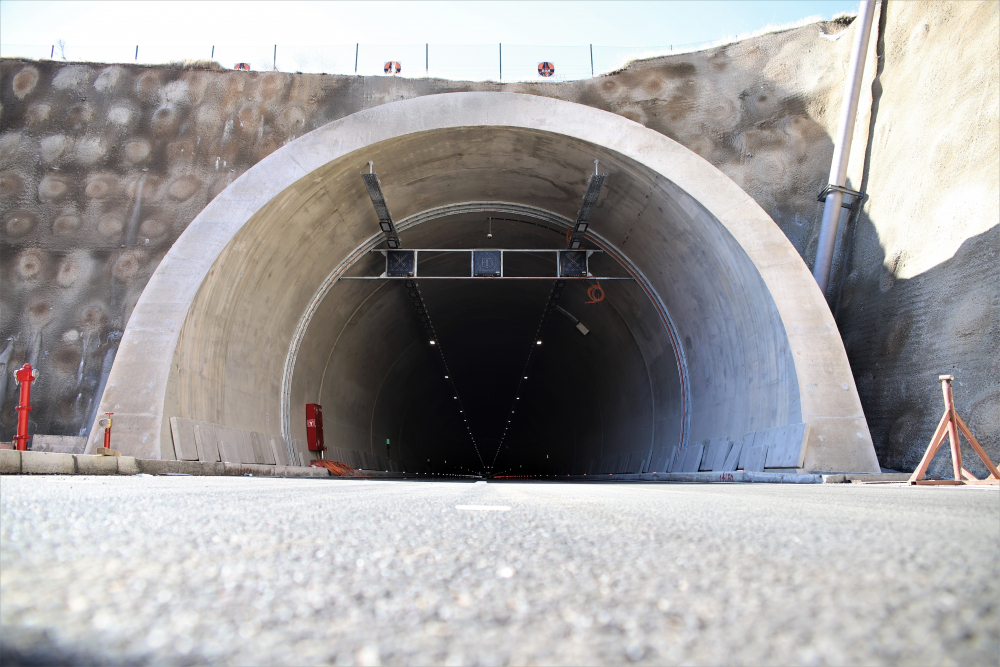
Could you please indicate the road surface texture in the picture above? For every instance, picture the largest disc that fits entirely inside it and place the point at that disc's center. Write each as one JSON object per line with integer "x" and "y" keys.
{"x": 254, "y": 571}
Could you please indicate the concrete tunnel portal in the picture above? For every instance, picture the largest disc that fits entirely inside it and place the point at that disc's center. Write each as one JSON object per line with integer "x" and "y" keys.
{"x": 720, "y": 331}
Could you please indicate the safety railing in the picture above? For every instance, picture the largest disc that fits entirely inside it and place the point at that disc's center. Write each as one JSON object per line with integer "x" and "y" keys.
{"x": 478, "y": 62}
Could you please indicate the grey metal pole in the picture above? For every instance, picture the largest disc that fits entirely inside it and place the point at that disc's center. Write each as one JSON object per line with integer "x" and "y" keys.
{"x": 842, "y": 147}
{"x": 213, "y": 52}
{"x": 274, "y": 63}
{"x": 357, "y": 46}
{"x": 591, "y": 61}
{"x": 136, "y": 51}
{"x": 501, "y": 61}
{"x": 427, "y": 59}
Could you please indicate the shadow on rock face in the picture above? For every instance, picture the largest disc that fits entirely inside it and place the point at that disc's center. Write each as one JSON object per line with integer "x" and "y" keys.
{"x": 907, "y": 331}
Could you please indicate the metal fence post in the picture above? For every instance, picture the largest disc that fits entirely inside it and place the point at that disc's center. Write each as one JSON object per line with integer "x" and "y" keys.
{"x": 501, "y": 61}
{"x": 357, "y": 46}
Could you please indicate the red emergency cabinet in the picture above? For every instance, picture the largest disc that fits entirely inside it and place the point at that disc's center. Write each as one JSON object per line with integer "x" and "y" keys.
{"x": 314, "y": 427}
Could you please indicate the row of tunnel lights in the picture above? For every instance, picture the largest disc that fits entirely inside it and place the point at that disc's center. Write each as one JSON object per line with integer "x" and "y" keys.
{"x": 464, "y": 419}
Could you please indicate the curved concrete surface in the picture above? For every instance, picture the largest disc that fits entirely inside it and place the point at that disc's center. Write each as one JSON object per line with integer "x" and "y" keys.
{"x": 756, "y": 346}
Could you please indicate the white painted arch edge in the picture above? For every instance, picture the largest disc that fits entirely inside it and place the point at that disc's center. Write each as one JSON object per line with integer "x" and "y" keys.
{"x": 153, "y": 329}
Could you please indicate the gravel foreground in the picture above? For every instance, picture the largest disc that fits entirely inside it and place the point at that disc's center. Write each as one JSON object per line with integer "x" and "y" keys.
{"x": 253, "y": 571}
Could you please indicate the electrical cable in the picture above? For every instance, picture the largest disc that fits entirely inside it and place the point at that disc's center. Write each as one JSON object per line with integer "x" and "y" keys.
{"x": 596, "y": 293}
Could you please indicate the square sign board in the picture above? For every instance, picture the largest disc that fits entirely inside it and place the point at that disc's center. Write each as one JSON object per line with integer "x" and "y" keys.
{"x": 487, "y": 263}
{"x": 573, "y": 263}
{"x": 400, "y": 263}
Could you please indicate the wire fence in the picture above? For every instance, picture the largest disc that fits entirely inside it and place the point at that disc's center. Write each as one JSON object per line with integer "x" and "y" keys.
{"x": 481, "y": 62}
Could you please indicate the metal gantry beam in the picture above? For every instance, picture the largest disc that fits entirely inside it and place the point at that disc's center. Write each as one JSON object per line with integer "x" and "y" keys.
{"x": 381, "y": 207}
{"x": 392, "y": 240}
{"x": 487, "y": 264}
{"x": 594, "y": 185}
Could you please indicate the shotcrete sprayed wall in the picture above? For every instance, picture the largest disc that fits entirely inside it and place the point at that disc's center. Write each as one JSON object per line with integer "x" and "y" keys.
{"x": 102, "y": 167}
{"x": 921, "y": 295}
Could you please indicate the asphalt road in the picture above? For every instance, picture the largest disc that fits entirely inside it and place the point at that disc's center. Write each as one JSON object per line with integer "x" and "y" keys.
{"x": 255, "y": 571}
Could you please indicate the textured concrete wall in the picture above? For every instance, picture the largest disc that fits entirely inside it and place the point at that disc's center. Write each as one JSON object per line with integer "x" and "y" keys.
{"x": 102, "y": 167}
{"x": 921, "y": 295}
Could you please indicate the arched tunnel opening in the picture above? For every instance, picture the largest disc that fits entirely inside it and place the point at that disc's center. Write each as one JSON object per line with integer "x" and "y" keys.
{"x": 504, "y": 383}
{"x": 710, "y": 326}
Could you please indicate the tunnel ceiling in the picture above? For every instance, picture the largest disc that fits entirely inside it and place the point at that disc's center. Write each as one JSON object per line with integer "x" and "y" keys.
{"x": 698, "y": 348}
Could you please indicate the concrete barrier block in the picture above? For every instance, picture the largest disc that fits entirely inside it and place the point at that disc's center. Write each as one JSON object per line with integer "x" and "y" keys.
{"x": 10, "y": 462}
{"x": 208, "y": 445}
{"x": 733, "y": 458}
{"x": 96, "y": 465}
{"x": 278, "y": 449}
{"x": 127, "y": 465}
{"x": 246, "y": 447}
{"x": 692, "y": 459}
{"x": 262, "y": 443}
{"x": 229, "y": 448}
{"x": 755, "y": 459}
{"x": 47, "y": 463}
{"x": 715, "y": 457}
{"x": 62, "y": 444}
{"x": 748, "y": 443}
{"x": 182, "y": 432}
{"x": 788, "y": 448}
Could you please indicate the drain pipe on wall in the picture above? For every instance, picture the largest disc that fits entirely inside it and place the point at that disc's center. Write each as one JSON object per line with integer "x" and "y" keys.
{"x": 834, "y": 192}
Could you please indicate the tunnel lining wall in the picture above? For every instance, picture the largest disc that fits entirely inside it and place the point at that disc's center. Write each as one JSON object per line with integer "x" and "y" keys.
{"x": 782, "y": 271}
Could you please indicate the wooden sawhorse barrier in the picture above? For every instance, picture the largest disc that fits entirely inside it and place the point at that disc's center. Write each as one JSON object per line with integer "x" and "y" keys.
{"x": 950, "y": 425}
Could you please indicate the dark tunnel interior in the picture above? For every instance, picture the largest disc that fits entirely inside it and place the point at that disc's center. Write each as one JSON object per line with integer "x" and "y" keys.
{"x": 494, "y": 394}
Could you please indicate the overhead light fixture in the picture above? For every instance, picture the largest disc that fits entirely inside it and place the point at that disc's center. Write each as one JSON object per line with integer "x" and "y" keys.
{"x": 433, "y": 342}
{"x": 445, "y": 377}
{"x": 525, "y": 377}
{"x": 538, "y": 342}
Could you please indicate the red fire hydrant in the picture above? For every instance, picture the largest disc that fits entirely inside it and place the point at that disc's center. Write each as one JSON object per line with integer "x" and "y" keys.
{"x": 24, "y": 376}
{"x": 106, "y": 423}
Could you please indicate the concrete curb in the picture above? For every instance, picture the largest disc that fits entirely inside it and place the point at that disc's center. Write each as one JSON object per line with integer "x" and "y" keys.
{"x": 739, "y": 476}
{"x": 10, "y": 462}
{"x": 48, "y": 463}
{"x": 13, "y": 462}
{"x": 735, "y": 477}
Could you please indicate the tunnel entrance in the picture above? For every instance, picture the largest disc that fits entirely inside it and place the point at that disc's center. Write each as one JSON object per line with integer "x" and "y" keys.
{"x": 522, "y": 372}
{"x": 720, "y": 333}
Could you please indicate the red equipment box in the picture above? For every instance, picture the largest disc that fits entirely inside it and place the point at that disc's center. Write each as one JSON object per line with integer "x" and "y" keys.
{"x": 314, "y": 427}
